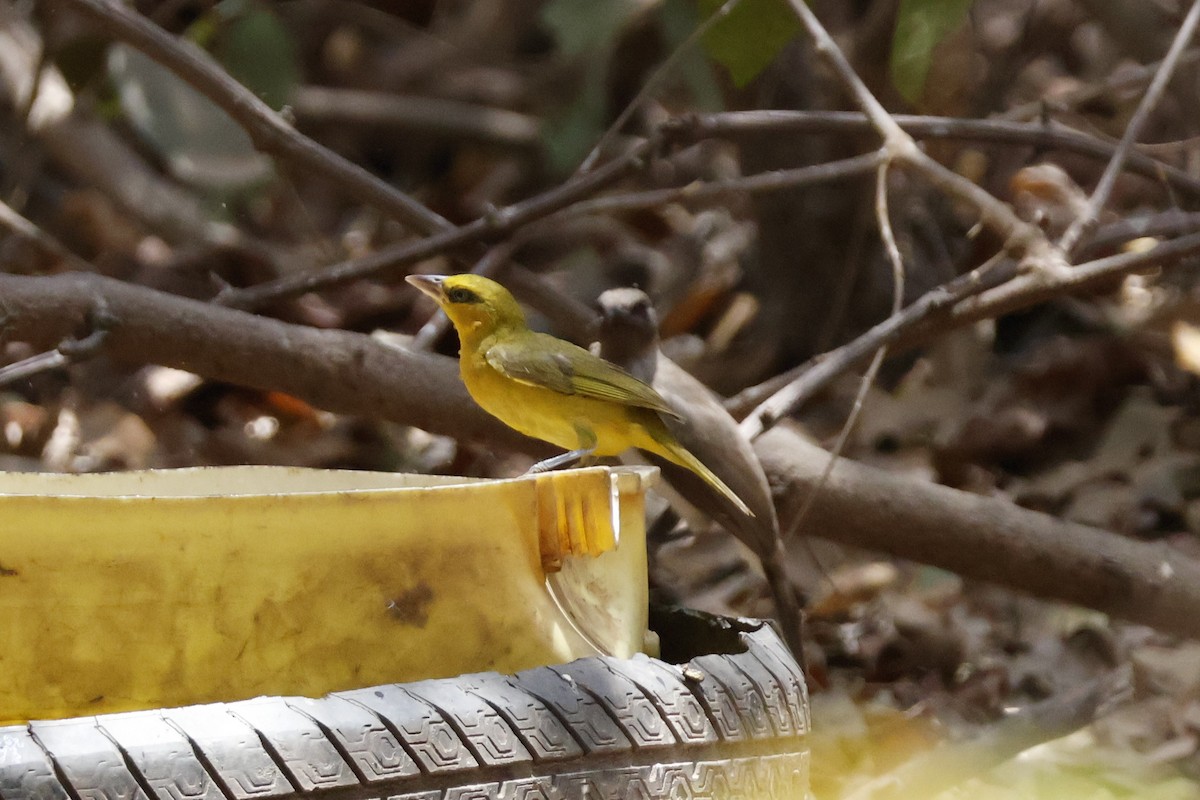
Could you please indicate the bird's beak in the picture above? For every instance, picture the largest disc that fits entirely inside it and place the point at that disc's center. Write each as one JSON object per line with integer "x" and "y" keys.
{"x": 429, "y": 284}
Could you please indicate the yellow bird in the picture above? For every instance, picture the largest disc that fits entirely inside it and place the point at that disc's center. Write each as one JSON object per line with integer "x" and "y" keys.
{"x": 550, "y": 389}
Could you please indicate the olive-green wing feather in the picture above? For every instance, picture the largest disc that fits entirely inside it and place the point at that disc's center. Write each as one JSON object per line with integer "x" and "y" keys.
{"x": 540, "y": 360}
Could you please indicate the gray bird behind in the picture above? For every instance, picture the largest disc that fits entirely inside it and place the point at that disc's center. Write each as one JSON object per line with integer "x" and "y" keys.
{"x": 628, "y": 337}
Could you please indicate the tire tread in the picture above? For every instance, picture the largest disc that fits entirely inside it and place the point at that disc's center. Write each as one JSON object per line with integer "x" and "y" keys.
{"x": 720, "y": 726}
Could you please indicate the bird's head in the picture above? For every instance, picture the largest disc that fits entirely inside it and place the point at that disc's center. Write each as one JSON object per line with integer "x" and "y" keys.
{"x": 628, "y": 331}
{"x": 476, "y": 305}
{"x": 628, "y": 308}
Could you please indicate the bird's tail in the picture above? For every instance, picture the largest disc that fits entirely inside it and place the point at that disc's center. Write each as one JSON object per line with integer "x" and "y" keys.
{"x": 672, "y": 450}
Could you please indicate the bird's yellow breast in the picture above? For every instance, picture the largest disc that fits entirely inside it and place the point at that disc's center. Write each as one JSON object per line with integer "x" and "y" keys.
{"x": 552, "y": 416}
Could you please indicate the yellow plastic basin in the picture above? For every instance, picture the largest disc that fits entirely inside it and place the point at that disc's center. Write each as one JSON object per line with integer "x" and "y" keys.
{"x": 136, "y": 590}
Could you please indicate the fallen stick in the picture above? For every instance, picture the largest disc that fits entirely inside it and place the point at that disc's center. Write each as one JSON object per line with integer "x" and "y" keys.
{"x": 338, "y": 371}
{"x": 985, "y": 538}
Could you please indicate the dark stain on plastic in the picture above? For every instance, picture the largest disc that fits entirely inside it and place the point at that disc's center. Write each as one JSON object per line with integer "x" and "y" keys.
{"x": 6, "y": 572}
{"x": 412, "y": 606}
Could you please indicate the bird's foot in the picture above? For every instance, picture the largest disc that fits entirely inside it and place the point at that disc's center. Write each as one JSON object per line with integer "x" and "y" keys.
{"x": 584, "y": 458}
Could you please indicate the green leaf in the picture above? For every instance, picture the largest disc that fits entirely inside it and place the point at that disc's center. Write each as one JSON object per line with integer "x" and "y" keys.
{"x": 257, "y": 50}
{"x": 750, "y": 37}
{"x": 677, "y": 19}
{"x": 584, "y": 26}
{"x": 920, "y": 25}
{"x": 198, "y": 141}
{"x": 569, "y": 134}
{"x": 586, "y": 30}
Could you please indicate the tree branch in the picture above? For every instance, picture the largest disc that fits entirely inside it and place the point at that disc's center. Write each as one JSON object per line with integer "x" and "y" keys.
{"x": 777, "y": 180}
{"x": 268, "y": 130}
{"x": 1147, "y": 105}
{"x": 1028, "y": 290}
{"x": 336, "y": 370}
{"x": 985, "y": 292}
{"x": 787, "y": 392}
{"x": 1022, "y": 238}
{"x": 488, "y": 228}
{"x": 1044, "y": 136}
{"x": 413, "y": 112}
{"x": 988, "y": 539}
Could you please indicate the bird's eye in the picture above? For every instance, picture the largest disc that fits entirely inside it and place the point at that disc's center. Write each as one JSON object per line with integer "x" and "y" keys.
{"x": 461, "y": 295}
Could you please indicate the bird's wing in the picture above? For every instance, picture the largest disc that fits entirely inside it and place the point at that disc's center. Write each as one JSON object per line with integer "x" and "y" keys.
{"x": 550, "y": 363}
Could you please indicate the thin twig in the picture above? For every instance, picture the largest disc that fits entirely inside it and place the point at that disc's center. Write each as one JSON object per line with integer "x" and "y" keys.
{"x": 70, "y": 350}
{"x": 1147, "y": 105}
{"x": 490, "y": 227}
{"x": 1177, "y": 148}
{"x": 773, "y": 181}
{"x": 964, "y": 300}
{"x": 35, "y": 364}
{"x": 889, "y": 241}
{"x": 411, "y": 112}
{"x": 1021, "y": 237}
{"x": 1109, "y": 236}
{"x": 1043, "y": 136}
{"x": 897, "y": 261}
{"x": 1028, "y": 290}
{"x": 1131, "y": 78}
{"x": 652, "y": 83}
{"x": 797, "y": 386}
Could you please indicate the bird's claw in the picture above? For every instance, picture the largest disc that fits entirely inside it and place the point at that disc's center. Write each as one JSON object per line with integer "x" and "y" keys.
{"x": 583, "y": 458}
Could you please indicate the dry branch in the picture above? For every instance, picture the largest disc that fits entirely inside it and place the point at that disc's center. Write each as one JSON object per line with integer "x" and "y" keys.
{"x": 1154, "y": 92}
{"x": 269, "y": 131}
{"x": 413, "y": 112}
{"x": 90, "y": 151}
{"x": 1043, "y": 136}
{"x": 489, "y": 228}
{"x": 335, "y": 370}
{"x": 770, "y": 401}
{"x": 1027, "y": 290}
{"x": 1023, "y": 239}
{"x": 773, "y": 181}
{"x": 987, "y": 539}
{"x": 979, "y": 294}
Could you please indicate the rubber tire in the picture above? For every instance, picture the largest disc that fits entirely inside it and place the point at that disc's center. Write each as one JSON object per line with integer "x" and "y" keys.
{"x": 723, "y": 724}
